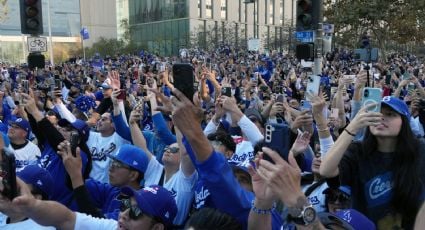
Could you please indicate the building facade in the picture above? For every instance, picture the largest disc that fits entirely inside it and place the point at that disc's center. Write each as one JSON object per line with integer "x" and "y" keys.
{"x": 65, "y": 15}
{"x": 165, "y": 26}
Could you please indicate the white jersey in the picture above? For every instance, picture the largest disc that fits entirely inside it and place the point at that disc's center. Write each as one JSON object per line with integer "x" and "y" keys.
{"x": 100, "y": 148}
{"x": 27, "y": 155}
{"x": 84, "y": 221}
{"x": 180, "y": 186}
{"x": 26, "y": 224}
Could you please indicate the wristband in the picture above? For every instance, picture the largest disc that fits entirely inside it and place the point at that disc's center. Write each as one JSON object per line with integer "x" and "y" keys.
{"x": 262, "y": 211}
{"x": 349, "y": 133}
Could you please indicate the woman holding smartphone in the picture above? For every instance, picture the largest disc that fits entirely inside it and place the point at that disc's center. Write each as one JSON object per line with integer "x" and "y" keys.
{"x": 385, "y": 169}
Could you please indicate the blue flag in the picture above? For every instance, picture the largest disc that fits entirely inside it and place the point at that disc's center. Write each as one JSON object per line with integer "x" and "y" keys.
{"x": 84, "y": 33}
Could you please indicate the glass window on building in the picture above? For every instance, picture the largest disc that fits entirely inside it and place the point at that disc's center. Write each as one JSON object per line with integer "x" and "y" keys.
{"x": 223, "y": 9}
{"x": 271, "y": 12}
{"x": 281, "y": 13}
{"x": 199, "y": 9}
{"x": 208, "y": 8}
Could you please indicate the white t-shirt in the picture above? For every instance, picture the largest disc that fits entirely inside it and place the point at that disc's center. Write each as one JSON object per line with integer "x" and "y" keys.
{"x": 100, "y": 148}
{"x": 27, "y": 155}
{"x": 84, "y": 221}
{"x": 179, "y": 185}
{"x": 26, "y": 224}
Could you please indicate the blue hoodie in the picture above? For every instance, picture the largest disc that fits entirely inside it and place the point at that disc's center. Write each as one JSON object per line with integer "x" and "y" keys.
{"x": 52, "y": 162}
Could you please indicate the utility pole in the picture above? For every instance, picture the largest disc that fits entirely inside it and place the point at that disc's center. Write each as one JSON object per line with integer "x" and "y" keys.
{"x": 318, "y": 43}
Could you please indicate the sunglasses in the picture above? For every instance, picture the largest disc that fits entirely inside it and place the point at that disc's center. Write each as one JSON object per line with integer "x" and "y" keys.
{"x": 171, "y": 149}
{"x": 341, "y": 197}
{"x": 135, "y": 212}
{"x": 117, "y": 165}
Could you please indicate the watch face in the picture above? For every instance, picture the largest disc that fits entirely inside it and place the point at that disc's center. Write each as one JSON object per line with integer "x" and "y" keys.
{"x": 309, "y": 215}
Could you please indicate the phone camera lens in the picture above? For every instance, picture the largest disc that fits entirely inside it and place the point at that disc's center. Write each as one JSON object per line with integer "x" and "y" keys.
{"x": 366, "y": 93}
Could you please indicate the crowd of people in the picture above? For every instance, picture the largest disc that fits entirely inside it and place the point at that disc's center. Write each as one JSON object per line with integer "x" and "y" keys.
{"x": 114, "y": 143}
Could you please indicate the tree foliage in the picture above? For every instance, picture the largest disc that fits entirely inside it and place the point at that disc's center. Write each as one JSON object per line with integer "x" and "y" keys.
{"x": 4, "y": 10}
{"x": 386, "y": 21}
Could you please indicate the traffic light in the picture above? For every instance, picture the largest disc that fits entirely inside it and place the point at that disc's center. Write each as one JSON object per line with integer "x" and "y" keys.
{"x": 308, "y": 14}
{"x": 305, "y": 51}
{"x": 31, "y": 17}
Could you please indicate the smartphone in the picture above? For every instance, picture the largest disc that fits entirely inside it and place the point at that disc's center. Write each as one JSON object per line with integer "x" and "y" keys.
{"x": 226, "y": 91}
{"x": 410, "y": 87}
{"x": 25, "y": 86}
{"x": 122, "y": 94}
{"x": 184, "y": 79}
{"x": 406, "y": 76}
{"x": 388, "y": 79}
{"x": 8, "y": 174}
{"x": 280, "y": 98}
{"x": 372, "y": 95}
{"x": 350, "y": 78}
{"x": 277, "y": 139}
{"x": 75, "y": 139}
{"x": 313, "y": 85}
{"x": 334, "y": 113}
{"x": 208, "y": 63}
{"x": 305, "y": 105}
{"x": 58, "y": 82}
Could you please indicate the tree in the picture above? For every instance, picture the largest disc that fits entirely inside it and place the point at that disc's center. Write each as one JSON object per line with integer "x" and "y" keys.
{"x": 4, "y": 10}
{"x": 386, "y": 21}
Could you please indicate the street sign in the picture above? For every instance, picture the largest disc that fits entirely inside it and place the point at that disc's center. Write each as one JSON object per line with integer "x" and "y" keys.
{"x": 254, "y": 44}
{"x": 37, "y": 44}
{"x": 328, "y": 28}
{"x": 305, "y": 36}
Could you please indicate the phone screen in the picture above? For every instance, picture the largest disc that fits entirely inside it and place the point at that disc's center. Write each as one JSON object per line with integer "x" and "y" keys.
{"x": 184, "y": 79}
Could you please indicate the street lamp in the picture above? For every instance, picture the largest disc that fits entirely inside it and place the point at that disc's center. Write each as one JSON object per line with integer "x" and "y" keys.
{"x": 255, "y": 29}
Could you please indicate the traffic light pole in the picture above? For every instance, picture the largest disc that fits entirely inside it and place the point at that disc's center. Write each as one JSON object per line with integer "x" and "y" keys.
{"x": 318, "y": 43}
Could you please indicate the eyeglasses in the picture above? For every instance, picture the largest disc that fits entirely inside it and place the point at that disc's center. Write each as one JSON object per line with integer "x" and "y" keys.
{"x": 171, "y": 149}
{"x": 117, "y": 165}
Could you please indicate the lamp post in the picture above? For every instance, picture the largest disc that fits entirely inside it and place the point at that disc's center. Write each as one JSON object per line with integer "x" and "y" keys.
{"x": 255, "y": 26}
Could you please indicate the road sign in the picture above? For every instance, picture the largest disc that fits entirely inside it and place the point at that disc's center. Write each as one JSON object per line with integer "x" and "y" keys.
{"x": 328, "y": 28}
{"x": 305, "y": 36}
{"x": 37, "y": 44}
{"x": 254, "y": 44}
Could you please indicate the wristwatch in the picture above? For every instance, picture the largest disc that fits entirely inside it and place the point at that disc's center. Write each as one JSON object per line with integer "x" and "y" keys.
{"x": 304, "y": 216}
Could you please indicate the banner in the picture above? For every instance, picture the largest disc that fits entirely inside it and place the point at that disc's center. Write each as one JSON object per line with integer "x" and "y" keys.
{"x": 84, "y": 33}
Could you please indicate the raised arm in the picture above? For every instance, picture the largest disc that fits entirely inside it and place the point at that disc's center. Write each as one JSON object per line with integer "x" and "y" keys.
{"x": 186, "y": 117}
{"x": 136, "y": 134}
{"x": 186, "y": 164}
{"x": 363, "y": 119}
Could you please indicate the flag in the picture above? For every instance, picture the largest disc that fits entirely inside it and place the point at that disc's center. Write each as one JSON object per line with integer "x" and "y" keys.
{"x": 84, "y": 33}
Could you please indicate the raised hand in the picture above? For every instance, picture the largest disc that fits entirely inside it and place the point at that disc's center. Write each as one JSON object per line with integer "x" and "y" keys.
{"x": 115, "y": 79}
{"x": 365, "y": 118}
{"x": 283, "y": 178}
{"x": 301, "y": 143}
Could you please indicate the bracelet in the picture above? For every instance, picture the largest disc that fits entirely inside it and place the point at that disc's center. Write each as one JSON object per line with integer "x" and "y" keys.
{"x": 349, "y": 133}
{"x": 262, "y": 211}
{"x": 323, "y": 130}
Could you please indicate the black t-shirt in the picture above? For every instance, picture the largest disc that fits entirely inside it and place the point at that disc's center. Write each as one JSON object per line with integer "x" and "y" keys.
{"x": 370, "y": 180}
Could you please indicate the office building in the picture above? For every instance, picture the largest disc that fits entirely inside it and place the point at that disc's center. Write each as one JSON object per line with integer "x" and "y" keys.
{"x": 165, "y": 26}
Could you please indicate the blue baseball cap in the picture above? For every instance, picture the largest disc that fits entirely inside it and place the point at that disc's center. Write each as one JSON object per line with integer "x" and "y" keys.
{"x": 132, "y": 156}
{"x": 396, "y": 104}
{"x": 80, "y": 125}
{"x": 37, "y": 177}
{"x": 21, "y": 123}
{"x": 348, "y": 219}
{"x": 155, "y": 201}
